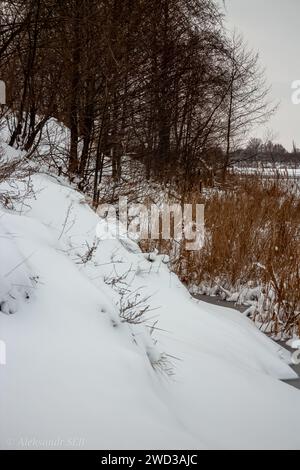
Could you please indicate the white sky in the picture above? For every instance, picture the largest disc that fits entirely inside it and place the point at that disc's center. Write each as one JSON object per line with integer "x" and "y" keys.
{"x": 272, "y": 27}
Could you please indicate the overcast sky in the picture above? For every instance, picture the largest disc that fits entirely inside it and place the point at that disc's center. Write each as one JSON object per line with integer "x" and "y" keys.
{"x": 271, "y": 27}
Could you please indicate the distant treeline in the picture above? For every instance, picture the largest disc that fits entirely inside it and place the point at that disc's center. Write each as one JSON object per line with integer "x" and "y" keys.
{"x": 269, "y": 153}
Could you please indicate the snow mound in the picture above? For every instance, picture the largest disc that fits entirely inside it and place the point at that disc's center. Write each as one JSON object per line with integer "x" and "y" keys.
{"x": 106, "y": 348}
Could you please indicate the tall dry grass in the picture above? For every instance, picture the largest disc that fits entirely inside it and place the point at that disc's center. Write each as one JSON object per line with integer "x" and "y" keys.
{"x": 252, "y": 240}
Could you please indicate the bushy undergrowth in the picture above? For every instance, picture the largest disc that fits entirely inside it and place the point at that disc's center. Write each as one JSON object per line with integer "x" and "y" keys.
{"x": 252, "y": 245}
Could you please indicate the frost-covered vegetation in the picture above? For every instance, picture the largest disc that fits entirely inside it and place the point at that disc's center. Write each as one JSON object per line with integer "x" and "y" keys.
{"x": 251, "y": 253}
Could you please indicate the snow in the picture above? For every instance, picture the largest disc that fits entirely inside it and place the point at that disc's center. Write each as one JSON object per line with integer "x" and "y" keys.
{"x": 273, "y": 170}
{"x": 78, "y": 374}
{"x": 294, "y": 343}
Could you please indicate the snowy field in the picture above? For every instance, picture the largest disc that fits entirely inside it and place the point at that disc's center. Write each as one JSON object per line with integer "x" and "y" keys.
{"x": 270, "y": 171}
{"x": 106, "y": 349}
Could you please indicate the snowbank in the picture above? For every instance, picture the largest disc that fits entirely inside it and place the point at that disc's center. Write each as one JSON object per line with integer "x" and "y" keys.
{"x": 78, "y": 374}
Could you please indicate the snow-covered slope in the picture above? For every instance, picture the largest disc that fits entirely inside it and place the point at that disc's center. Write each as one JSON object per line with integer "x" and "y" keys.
{"x": 78, "y": 374}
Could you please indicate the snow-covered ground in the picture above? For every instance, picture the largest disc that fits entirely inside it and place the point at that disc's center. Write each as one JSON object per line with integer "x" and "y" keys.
{"x": 269, "y": 171}
{"x": 79, "y": 374}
